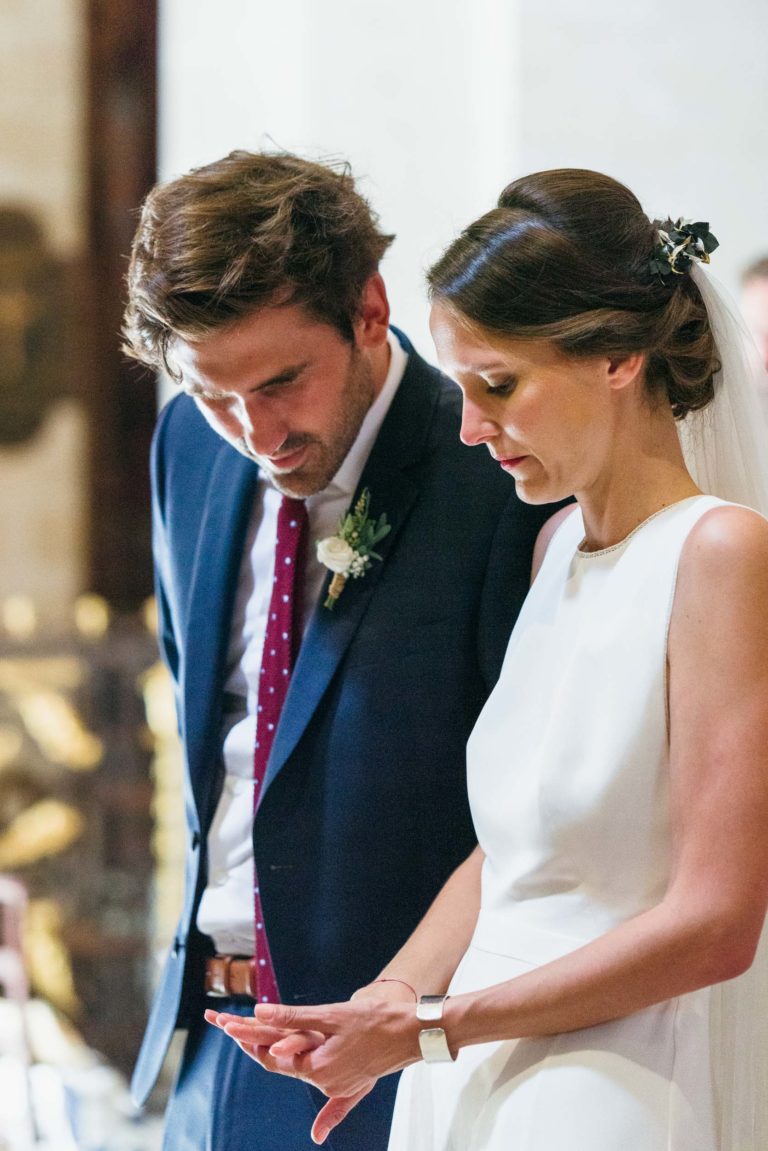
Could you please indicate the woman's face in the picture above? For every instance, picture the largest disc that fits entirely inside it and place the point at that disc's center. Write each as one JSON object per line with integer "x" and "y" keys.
{"x": 548, "y": 419}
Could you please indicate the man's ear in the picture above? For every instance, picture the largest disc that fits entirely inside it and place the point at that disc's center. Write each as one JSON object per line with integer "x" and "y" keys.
{"x": 372, "y": 324}
{"x": 625, "y": 370}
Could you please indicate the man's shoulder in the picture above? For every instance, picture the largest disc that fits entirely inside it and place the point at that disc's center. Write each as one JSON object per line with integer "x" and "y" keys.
{"x": 186, "y": 452}
{"x": 180, "y": 419}
{"x": 183, "y": 437}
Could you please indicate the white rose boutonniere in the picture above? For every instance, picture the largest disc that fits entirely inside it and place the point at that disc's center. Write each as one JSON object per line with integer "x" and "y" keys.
{"x": 350, "y": 552}
{"x": 336, "y": 554}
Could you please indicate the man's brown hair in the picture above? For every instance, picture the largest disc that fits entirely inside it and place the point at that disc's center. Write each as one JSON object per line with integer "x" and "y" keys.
{"x": 245, "y": 232}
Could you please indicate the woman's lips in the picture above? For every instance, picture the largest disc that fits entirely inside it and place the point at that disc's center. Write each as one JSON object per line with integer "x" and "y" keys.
{"x": 512, "y": 462}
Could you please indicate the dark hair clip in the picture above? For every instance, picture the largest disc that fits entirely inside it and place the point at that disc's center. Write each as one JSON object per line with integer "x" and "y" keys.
{"x": 679, "y": 245}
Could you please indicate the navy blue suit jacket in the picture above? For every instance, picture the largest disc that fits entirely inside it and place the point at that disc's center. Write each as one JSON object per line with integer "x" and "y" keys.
{"x": 364, "y": 811}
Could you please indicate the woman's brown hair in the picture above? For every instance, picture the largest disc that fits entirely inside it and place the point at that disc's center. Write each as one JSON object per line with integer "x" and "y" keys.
{"x": 565, "y": 257}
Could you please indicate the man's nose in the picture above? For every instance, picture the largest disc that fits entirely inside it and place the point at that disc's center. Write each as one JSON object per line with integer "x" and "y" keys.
{"x": 476, "y": 427}
{"x": 263, "y": 430}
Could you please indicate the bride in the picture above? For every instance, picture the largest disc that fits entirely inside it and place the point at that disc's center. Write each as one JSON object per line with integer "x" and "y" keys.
{"x": 593, "y": 976}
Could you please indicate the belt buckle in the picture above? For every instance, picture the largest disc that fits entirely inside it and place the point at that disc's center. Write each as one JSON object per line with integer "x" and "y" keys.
{"x": 218, "y": 979}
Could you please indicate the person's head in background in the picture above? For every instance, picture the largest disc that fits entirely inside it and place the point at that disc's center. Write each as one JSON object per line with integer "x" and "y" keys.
{"x": 754, "y": 304}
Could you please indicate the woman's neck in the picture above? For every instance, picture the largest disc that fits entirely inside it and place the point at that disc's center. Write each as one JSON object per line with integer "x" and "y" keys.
{"x": 645, "y": 473}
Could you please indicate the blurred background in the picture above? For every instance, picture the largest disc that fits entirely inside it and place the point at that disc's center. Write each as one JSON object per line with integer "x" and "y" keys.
{"x": 436, "y": 106}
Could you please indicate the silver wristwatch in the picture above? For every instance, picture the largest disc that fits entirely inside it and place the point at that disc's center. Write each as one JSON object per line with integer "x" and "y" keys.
{"x": 432, "y": 1041}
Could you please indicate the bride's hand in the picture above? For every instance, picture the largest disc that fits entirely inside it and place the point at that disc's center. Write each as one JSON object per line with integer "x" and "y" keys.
{"x": 282, "y": 1039}
{"x": 369, "y": 1036}
{"x": 261, "y": 1037}
{"x": 363, "y": 1039}
{"x": 259, "y": 1046}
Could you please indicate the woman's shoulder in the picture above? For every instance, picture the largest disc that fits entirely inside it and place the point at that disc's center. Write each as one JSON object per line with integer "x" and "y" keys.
{"x": 727, "y": 535}
{"x": 723, "y": 567}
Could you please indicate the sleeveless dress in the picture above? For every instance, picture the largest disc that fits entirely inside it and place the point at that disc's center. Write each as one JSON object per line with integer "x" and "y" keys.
{"x": 568, "y": 781}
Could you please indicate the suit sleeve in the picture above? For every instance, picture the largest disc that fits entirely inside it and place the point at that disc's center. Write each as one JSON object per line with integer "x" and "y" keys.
{"x": 162, "y": 569}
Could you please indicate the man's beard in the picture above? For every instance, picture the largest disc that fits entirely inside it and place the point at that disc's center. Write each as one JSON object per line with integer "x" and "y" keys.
{"x": 325, "y": 456}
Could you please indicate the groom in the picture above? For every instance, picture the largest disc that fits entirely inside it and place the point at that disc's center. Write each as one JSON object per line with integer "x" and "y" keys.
{"x": 324, "y": 738}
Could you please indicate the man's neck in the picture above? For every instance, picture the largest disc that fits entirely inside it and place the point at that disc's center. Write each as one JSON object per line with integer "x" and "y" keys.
{"x": 380, "y": 358}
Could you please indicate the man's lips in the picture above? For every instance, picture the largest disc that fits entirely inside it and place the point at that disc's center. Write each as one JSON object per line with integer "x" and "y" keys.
{"x": 287, "y": 460}
{"x": 510, "y": 461}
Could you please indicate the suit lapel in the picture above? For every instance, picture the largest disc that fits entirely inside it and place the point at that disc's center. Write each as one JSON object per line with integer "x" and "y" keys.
{"x": 392, "y": 475}
{"x": 223, "y": 524}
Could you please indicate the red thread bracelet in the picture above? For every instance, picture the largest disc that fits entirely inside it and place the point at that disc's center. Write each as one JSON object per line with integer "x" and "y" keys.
{"x": 411, "y": 989}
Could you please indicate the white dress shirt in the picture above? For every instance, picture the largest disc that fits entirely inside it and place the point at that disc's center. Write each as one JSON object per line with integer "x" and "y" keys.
{"x": 226, "y": 909}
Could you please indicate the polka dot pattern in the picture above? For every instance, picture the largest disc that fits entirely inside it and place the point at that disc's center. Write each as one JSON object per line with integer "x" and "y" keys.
{"x": 280, "y": 648}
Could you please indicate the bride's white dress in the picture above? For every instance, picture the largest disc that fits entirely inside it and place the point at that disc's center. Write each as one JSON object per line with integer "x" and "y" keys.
{"x": 568, "y": 780}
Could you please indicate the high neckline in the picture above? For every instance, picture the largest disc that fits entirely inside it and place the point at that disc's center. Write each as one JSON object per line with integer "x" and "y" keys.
{"x": 589, "y": 555}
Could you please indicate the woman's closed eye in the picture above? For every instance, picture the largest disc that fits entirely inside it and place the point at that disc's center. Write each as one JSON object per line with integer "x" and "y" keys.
{"x": 502, "y": 387}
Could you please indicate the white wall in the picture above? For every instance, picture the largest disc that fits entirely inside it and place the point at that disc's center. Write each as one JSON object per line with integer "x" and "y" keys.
{"x": 438, "y": 105}
{"x": 418, "y": 96}
{"x": 669, "y": 96}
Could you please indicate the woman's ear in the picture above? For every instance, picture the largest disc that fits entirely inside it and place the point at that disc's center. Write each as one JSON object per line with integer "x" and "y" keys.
{"x": 624, "y": 370}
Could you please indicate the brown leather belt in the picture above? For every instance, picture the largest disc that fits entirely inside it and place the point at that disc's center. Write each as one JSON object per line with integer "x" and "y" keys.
{"x": 229, "y": 975}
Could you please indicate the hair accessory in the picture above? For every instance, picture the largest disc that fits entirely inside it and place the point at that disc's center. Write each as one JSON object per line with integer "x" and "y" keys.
{"x": 679, "y": 245}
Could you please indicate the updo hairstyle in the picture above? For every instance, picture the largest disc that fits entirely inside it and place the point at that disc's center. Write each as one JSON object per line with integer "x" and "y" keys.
{"x": 565, "y": 257}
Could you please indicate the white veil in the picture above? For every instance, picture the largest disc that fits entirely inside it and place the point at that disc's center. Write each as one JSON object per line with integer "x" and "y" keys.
{"x": 726, "y": 450}
{"x": 726, "y": 444}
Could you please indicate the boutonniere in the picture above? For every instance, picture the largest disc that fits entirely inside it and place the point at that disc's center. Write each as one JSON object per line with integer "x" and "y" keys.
{"x": 350, "y": 552}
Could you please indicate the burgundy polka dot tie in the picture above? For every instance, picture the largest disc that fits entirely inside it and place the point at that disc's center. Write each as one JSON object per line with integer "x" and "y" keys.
{"x": 281, "y": 645}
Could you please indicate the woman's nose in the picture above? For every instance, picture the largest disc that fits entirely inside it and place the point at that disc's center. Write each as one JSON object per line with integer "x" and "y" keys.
{"x": 476, "y": 427}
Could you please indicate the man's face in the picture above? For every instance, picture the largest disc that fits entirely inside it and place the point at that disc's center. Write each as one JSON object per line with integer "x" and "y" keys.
{"x": 286, "y": 390}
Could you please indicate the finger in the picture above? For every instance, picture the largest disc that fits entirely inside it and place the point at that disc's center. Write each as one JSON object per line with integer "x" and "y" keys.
{"x": 325, "y": 1019}
{"x": 250, "y": 1031}
{"x": 297, "y": 1043}
{"x": 334, "y": 1111}
{"x": 261, "y": 1056}
{"x": 260, "y": 1053}
{"x": 212, "y": 1017}
{"x": 223, "y": 1018}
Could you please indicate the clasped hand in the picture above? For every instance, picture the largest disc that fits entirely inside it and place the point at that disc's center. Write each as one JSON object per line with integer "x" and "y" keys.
{"x": 341, "y": 1048}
